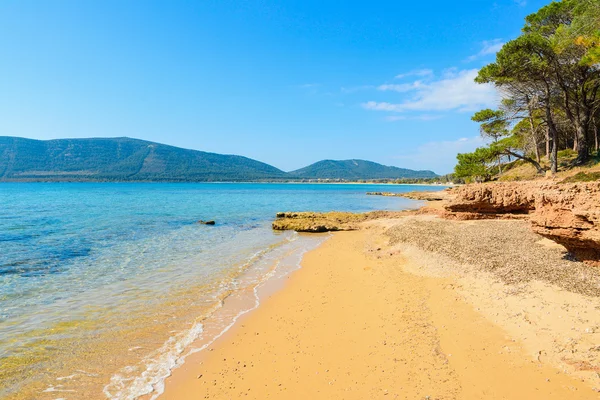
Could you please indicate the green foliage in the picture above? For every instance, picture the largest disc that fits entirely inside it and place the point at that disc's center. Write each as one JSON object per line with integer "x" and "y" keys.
{"x": 549, "y": 77}
{"x": 487, "y": 115}
{"x": 474, "y": 166}
{"x": 549, "y": 18}
{"x": 525, "y": 59}
{"x": 493, "y": 123}
{"x": 583, "y": 31}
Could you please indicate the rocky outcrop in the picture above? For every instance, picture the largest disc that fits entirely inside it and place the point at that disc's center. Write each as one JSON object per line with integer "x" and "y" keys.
{"x": 326, "y": 222}
{"x": 512, "y": 198}
{"x": 569, "y": 213}
{"x": 428, "y": 196}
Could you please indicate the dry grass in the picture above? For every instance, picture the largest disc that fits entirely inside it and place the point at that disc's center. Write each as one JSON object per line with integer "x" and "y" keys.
{"x": 508, "y": 249}
{"x": 522, "y": 171}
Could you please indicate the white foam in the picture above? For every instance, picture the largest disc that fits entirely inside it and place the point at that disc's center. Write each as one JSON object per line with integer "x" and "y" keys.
{"x": 161, "y": 363}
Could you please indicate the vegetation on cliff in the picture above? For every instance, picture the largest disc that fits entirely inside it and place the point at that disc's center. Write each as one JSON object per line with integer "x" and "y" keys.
{"x": 549, "y": 80}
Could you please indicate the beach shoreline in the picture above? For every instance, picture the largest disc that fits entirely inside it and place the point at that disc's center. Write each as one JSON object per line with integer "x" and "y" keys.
{"x": 365, "y": 317}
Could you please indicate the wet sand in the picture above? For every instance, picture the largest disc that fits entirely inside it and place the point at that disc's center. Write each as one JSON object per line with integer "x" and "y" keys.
{"x": 357, "y": 322}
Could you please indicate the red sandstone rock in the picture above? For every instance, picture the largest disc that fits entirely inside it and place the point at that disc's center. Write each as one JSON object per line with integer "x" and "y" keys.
{"x": 569, "y": 214}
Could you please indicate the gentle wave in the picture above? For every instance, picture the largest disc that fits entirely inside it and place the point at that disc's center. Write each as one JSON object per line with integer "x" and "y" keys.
{"x": 170, "y": 356}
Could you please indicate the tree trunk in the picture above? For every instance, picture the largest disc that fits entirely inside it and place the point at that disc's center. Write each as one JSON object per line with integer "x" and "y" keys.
{"x": 536, "y": 146}
{"x": 532, "y": 130}
{"x": 547, "y": 143}
{"x": 554, "y": 153}
{"x": 536, "y": 164}
{"x": 554, "y": 136}
{"x": 583, "y": 150}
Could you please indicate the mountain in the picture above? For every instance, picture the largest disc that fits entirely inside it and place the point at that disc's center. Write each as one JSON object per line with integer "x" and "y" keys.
{"x": 121, "y": 159}
{"x": 356, "y": 170}
{"x": 125, "y": 159}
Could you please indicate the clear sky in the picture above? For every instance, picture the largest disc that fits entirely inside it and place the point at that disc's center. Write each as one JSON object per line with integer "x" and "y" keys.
{"x": 285, "y": 82}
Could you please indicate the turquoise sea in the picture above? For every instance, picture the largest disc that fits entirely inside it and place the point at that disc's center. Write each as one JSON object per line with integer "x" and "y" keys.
{"x": 104, "y": 288}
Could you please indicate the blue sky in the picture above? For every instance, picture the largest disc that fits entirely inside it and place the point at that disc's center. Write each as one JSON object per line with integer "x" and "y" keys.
{"x": 285, "y": 82}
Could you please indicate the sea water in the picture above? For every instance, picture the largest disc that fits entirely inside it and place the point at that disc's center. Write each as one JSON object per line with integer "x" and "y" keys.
{"x": 105, "y": 288}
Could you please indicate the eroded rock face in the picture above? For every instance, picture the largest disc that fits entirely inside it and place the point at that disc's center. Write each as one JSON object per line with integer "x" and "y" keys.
{"x": 491, "y": 198}
{"x": 569, "y": 214}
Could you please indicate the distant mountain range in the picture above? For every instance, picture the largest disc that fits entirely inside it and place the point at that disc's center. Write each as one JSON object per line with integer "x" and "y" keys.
{"x": 356, "y": 170}
{"x": 125, "y": 159}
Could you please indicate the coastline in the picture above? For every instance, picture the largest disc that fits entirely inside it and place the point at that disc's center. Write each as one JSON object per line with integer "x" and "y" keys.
{"x": 152, "y": 281}
{"x": 365, "y": 317}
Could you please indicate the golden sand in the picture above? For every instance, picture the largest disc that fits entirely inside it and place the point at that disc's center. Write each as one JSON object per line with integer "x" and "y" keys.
{"x": 349, "y": 325}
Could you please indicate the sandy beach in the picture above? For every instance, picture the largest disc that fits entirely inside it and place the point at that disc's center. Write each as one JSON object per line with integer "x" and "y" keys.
{"x": 370, "y": 315}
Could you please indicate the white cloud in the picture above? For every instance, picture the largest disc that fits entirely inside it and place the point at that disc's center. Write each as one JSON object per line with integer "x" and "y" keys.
{"x": 428, "y": 117}
{"x": 487, "y": 47}
{"x": 353, "y": 89}
{"x": 415, "y": 72}
{"x": 402, "y": 87}
{"x": 392, "y": 118}
{"x": 383, "y": 106}
{"x": 309, "y": 85}
{"x": 456, "y": 91}
{"x": 422, "y": 117}
{"x": 439, "y": 156}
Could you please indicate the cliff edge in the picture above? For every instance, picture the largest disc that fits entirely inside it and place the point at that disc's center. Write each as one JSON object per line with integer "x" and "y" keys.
{"x": 568, "y": 213}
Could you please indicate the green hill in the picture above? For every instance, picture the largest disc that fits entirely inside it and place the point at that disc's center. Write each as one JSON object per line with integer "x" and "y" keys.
{"x": 121, "y": 159}
{"x": 125, "y": 159}
{"x": 357, "y": 170}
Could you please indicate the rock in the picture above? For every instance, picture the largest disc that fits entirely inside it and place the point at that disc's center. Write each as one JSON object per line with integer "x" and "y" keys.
{"x": 209, "y": 222}
{"x": 493, "y": 198}
{"x": 326, "y": 222}
{"x": 568, "y": 214}
{"x": 315, "y": 222}
{"x": 428, "y": 196}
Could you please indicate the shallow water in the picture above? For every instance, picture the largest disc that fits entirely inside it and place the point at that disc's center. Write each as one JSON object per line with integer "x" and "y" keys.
{"x": 103, "y": 287}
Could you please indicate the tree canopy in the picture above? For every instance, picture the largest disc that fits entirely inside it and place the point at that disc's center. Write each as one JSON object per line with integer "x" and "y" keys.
{"x": 549, "y": 81}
